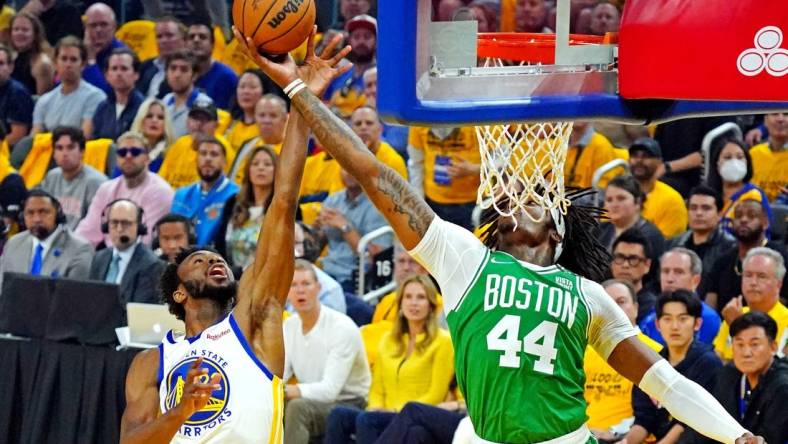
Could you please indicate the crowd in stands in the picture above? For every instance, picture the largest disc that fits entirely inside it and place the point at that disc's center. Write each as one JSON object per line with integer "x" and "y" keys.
{"x": 124, "y": 143}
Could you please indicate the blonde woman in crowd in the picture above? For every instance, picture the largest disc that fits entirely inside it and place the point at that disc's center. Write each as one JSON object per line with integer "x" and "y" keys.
{"x": 153, "y": 120}
{"x": 415, "y": 363}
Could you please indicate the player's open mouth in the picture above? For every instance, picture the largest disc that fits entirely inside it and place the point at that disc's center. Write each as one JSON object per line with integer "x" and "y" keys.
{"x": 217, "y": 271}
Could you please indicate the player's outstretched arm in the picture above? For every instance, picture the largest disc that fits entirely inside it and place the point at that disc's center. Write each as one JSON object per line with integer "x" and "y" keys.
{"x": 406, "y": 212}
{"x": 685, "y": 400}
{"x": 141, "y": 422}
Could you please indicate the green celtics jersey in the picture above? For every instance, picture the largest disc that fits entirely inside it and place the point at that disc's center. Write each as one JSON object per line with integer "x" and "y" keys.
{"x": 520, "y": 334}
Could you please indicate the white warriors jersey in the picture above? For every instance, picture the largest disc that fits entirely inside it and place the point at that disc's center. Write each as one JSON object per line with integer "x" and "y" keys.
{"x": 249, "y": 405}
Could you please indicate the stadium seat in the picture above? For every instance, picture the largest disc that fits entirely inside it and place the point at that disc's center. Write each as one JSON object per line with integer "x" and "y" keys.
{"x": 359, "y": 311}
{"x": 779, "y": 225}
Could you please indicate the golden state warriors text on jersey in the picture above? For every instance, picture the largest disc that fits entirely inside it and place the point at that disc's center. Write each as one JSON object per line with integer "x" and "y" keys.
{"x": 248, "y": 405}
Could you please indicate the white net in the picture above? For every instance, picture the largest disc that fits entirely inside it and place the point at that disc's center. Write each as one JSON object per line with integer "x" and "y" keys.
{"x": 523, "y": 163}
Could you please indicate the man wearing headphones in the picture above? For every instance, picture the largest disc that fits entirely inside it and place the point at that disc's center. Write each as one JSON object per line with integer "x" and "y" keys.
{"x": 128, "y": 263}
{"x": 47, "y": 247}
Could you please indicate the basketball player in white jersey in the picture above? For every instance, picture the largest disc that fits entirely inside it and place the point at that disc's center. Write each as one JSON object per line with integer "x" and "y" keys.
{"x": 220, "y": 383}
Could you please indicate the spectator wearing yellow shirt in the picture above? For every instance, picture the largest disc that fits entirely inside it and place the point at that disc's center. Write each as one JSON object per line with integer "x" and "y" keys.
{"x": 270, "y": 117}
{"x": 607, "y": 393}
{"x": 763, "y": 270}
{"x": 249, "y": 91}
{"x": 730, "y": 175}
{"x": 770, "y": 159}
{"x": 179, "y": 167}
{"x": 444, "y": 166}
{"x": 324, "y": 175}
{"x": 415, "y": 363}
{"x": 588, "y": 150}
{"x": 664, "y": 206}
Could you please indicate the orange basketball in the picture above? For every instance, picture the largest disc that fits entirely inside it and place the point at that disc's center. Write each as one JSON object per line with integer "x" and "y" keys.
{"x": 275, "y": 26}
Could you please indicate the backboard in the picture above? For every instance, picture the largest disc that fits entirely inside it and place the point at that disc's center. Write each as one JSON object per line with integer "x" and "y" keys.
{"x": 444, "y": 73}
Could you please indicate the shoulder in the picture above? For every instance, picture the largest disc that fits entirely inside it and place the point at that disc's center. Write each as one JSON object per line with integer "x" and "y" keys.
{"x": 91, "y": 91}
{"x": 48, "y": 96}
{"x": 341, "y": 322}
{"x": 18, "y": 89}
{"x": 93, "y": 175}
{"x": 225, "y": 70}
{"x": 183, "y": 192}
{"x": 72, "y": 240}
{"x": 145, "y": 365}
{"x": 443, "y": 337}
{"x": 760, "y": 149}
{"x": 599, "y": 141}
{"x": 667, "y": 191}
{"x": 16, "y": 241}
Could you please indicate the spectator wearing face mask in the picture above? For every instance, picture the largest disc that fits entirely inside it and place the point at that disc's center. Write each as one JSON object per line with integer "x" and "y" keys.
{"x": 731, "y": 175}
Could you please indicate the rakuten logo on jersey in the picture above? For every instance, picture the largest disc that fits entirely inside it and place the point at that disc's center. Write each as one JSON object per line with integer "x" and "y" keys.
{"x": 218, "y": 335}
{"x": 767, "y": 55}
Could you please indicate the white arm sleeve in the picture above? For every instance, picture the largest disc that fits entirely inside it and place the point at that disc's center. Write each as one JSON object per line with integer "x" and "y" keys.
{"x": 452, "y": 255}
{"x": 690, "y": 403}
{"x": 609, "y": 324}
{"x": 416, "y": 169}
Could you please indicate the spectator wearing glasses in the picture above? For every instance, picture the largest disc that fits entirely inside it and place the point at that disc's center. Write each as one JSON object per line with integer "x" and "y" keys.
{"x": 136, "y": 183}
{"x": 631, "y": 263}
{"x": 72, "y": 183}
{"x": 100, "y": 27}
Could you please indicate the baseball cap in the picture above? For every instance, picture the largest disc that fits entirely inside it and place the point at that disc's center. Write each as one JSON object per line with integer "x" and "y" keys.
{"x": 362, "y": 21}
{"x": 204, "y": 107}
{"x": 647, "y": 144}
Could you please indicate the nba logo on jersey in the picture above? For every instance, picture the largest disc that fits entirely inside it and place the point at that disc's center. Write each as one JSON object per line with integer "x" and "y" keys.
{"x": 215, "y": 411}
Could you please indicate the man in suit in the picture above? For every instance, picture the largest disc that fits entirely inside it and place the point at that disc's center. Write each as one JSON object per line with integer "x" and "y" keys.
{"x": 129, "y": 262}
{"x": 48, "y": 247}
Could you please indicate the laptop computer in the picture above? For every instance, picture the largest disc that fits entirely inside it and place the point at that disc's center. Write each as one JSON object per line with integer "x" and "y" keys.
{"x": 149, "y": 323}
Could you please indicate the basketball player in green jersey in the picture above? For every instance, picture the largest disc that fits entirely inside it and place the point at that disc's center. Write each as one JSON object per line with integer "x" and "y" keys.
{"x": 521, "y": 312}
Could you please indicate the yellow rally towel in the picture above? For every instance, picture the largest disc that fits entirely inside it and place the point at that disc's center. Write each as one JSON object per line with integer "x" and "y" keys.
{"x": 36, "y": 164}
{"x": 96, "y": 152}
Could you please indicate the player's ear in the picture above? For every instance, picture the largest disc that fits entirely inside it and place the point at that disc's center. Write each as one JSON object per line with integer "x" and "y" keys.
{"x": 179, "y": 296}
{"x": 555, "y": 237}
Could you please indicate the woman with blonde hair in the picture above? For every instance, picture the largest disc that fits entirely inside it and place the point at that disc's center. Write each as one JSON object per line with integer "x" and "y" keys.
{"x": 415, "y": 363}
{"x": 33, "y": 66}
{"x": 244, "y": 213}
{"x": 153, "y": 120}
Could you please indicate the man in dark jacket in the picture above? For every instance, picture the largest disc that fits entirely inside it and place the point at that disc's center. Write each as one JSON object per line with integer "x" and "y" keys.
{"x": 678, "y": 318}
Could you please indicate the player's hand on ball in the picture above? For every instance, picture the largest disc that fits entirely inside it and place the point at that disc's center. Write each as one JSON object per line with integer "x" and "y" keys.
{"x": 318, "y": 71}
{"x": 748, "y": 438}
{"x": 281, "y": 73}
{"x": 196, "y": 392}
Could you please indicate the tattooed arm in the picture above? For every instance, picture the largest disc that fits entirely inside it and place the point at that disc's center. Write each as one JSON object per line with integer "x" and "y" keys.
{"x": 406, "y": 212}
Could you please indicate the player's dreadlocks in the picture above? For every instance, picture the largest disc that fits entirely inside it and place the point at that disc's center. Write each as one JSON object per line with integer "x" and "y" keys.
{"x": 583, "y": 254}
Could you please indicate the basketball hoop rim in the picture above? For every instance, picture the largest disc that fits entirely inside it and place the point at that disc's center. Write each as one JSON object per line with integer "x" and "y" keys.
{"x": 531, "y": 47}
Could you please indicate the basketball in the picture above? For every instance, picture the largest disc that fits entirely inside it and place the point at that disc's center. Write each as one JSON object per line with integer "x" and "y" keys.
{"x": 275, "y": 26}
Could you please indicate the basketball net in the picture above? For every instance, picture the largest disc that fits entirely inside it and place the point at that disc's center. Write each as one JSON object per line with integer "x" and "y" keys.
{"x": 523, "y": 163}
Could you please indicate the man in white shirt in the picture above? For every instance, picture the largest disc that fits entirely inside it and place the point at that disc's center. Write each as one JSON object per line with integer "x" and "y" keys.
{"x": 325, "y": 352}
{"x": 128, "y": 263}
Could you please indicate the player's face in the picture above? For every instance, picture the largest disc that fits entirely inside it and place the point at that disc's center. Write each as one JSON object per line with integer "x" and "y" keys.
{"x": 624, "y": 299}
{"x": 759, "y": 282}
{"x": 676, "y": 325}
{"x": 67, "y": 154}
{"x": 753, "y": 351}
{"x": 629, "y": 262}
{"x": 528, "y": 234}
{"x": 415, "y": 305}
{"x": 249, "y": 91}
{"x": 169, "y": 38}
{"x": 303, "y": 291}
{"x": 405, "y": 266}
{"x": 271, "y": 119}
{"x": 262, "y": 170}
{"x": 620, "y": 205}
{"x": 204, "y": 270}
{"x": 210, "y": 161}
{"x": 702, "y": 212}
{"x": 675, "y": 272}
{"x": 173, "y": 238}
